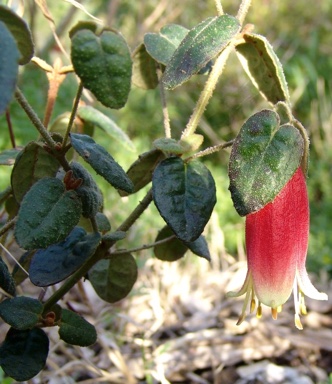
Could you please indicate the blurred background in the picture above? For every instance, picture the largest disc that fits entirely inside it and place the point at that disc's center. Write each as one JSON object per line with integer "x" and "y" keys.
{"x": 168, "y": 294}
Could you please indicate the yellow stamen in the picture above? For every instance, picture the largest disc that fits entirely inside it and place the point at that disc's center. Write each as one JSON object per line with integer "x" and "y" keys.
{"x": 274, "y": 312}
{"x": 252, "y": 305}
{"x": 303, "y": 308}
{"x": 297, "y": 321}
{"x": 259, "y": 311}
{"x": 279, "y": 308}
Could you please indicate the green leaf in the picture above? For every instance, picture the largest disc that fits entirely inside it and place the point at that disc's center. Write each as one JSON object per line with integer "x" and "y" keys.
{"x": 47, "y": 214}
{"x": 103, "y": 223}
{"x": 114, "y": 236}
{"x": 172, "y": 250}
{"x": 8, "y": 156}
{"x": 161, "y": 46}
{"x": 18, "y": 273}
{"x": 8, "y": 66}
{"x": 98, "y": 119}
{"x": 21, "y": 312}
{"x": 185, "y": 195}
{"x": 263, "y": 67}
{"x": 55, "y": 263}
{"x": 175, "y": 248}
{"x": 101, "y": 161}
{"x": 114, "y": 278}
{"x": 75, "y": 330}
{"x": 21, "y": 32}
{"x": 264, "y": 157}
{"x": 144, "y": 69}
{"x": 140, "y": 172}
{"x": 23, "y": 354}
{"x": 32, "y": 164}
{"x": 103, "y": 63}
{"x": 201, "y": 44}
{"x": 7, "y": 283}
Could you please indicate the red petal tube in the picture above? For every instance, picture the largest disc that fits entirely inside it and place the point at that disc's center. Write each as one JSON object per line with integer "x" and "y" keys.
{"x": 277, "y": 243}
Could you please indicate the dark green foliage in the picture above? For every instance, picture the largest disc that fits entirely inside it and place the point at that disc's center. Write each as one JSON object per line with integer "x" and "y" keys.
{"x": 185, "y": 195}
{"x": 55, "y": 263}
{"x": 114, "y": 278}
{"x": 264, "y": 157}
{"x": 101, "y": 161}
{"x": 7, "y": 283}
{"x": 23, "y": 354}
{"x": 103, "y": 63}
{"x": 74, "y": 329}
{"x": 47, "y": 214}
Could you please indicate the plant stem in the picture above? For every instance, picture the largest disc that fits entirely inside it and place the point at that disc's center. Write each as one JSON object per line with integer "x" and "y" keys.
{"x": 100, "y": 254}
{"x": 207, "y": 91}
{"x": 143, "y": 247}
{"x": 167, "y": 126}
{"x": 34, "y": 118}
{"x": 73, "y": 113}
{"x": 7, "y": 226}
{"x": 219, "y": 7}
{"x": 243, "y": 10}
{"x": 210, "y": 150}
{"x": 10, "y": 128}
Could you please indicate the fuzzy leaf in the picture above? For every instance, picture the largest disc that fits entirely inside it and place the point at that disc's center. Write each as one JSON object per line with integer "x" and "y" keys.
{"x": 47, "y": 214}
{"x": 264, "y": 157}
{"x": 101, "y": 161}
{"x": 185, "y": 195}
{"x": 23, "y": 354}
{"x": 7, "y": 283}
{"x": 21, "y": 312}
{"x": 102, "y": 61}
{"x": 8, "y": 66}
{"x": 172, "y": 250}
{"x": 114, "y": 278}
{"x": 161, "y": 46}
{"x": 32, "y": 164}
{"x": 144, "y": 69}
{"x": 20, "y": 31}
{"x": 55, "y": 263}
{"x": 263, "y": 67}
{"x": 75, "y": 330}
{"x": 201, "y": 44}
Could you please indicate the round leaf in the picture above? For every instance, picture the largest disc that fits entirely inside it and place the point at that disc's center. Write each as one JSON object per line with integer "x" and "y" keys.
{"x": 172, "y": 250}
{"x": 98, "y": 119}
{"x": 185, "y": 195}
{"x": 21, "y": 312}
{"x": 23, "y": 354}
{"x": 264, "y": 157}
{"x": 113, "y": 279}
{"x": 32, "y": 164}
{"x": 55, "y": 263}
{"x": 75, "y": 330}
{"x": 201, "y": 44}
{"x": 161, "y": 46}
{"x": 140, "y": 172}
{"x": 144, "y": 69}
{"x": 263, "y": 67}
{"x": 21, "y": 32}
{"x": 101, "y": 161}
{"x": 47, "y": 214}
{"x": 8, "y": 66}
{"x": 104, "y": 65}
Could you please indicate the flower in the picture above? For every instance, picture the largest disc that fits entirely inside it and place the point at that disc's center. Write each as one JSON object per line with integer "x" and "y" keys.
{"x": 277, "y": 243}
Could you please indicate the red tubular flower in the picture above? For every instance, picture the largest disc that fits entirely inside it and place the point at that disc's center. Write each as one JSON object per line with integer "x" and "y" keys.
{"x": 277, "y": 243}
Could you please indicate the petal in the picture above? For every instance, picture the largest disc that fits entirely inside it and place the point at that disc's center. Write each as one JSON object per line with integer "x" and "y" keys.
{"x": 307, "y": 287}
{"x": 276, "y": 238}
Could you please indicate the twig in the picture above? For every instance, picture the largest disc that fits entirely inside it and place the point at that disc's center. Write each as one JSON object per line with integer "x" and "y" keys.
{"x": 207, "y": 91}
{"x": 243, "y": 10}
{"x": 73, "y": 113}
{"x": 7, "y": 226}
{"x": 10, "y": 129}
{"x": 219, "y": 7}
{"x": 34, "y": 118}
{"x": 210, "y": 150}
{"x": 143, "y": 247}
{"x": 167, "y": 127}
